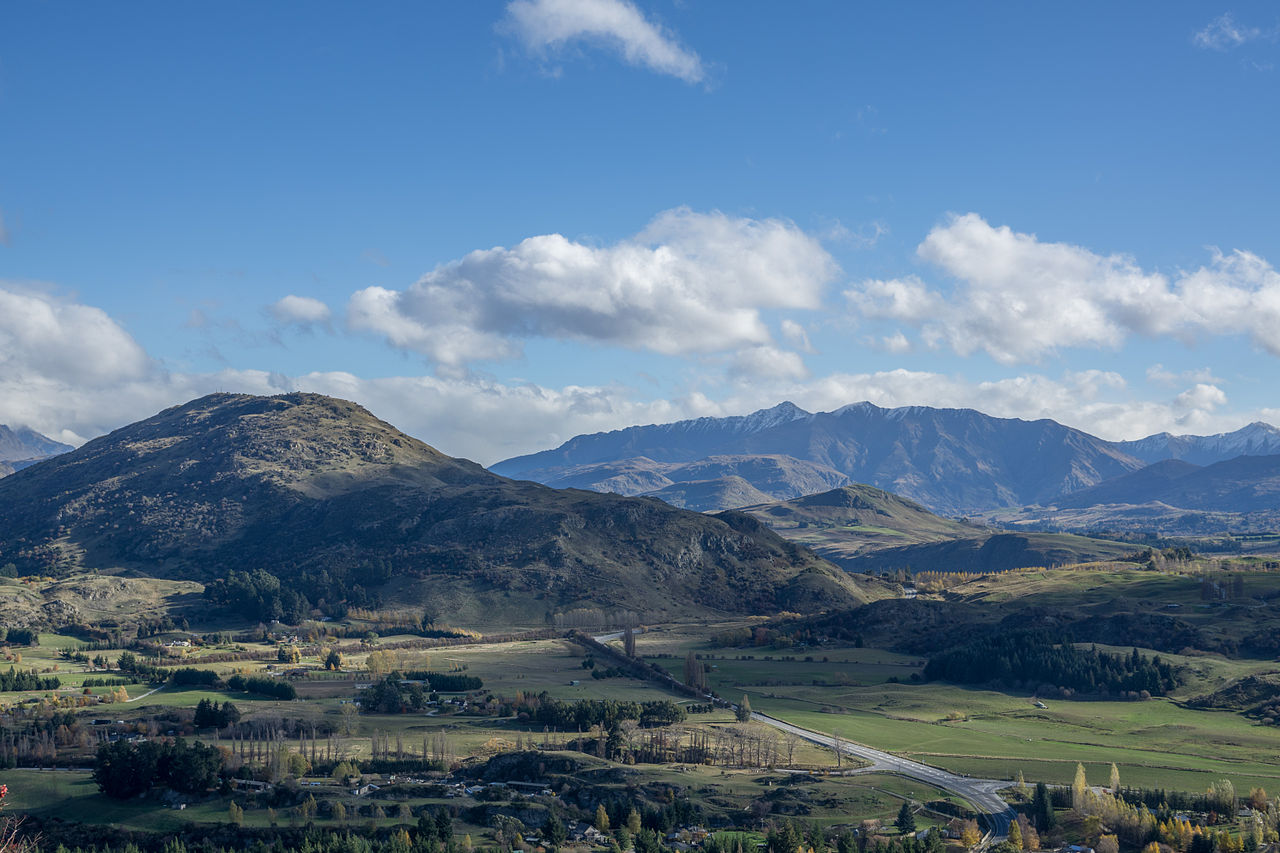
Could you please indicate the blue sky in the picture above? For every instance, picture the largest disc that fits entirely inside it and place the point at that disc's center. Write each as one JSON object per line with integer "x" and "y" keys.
{"x": 502, "y": 224}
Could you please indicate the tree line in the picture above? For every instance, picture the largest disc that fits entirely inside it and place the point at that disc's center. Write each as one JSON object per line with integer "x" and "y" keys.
{"x": 1035, "y": 658}
{"x": 15, "y": 680}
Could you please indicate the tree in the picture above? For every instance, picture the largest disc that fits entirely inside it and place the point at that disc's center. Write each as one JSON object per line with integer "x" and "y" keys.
{"x": 235, "y": 814}
{"x": 633, "y": 821}
{"x": 555, "y": 830}
{"x": 906, "y": 820}
{"x": 1115, "y": 778}
{"x": 970, "y": 835}
{"x": 288, "y": 654}
{"x": 1079, "y": 789}
{"x": 1108, "y": 844}
{"x": 333, "y": 661}
{"x": 339, "y": 812}
{"x": 1042, "y": 808}
{"x": 1015, "y": 835}
{"x": 629, "y": 642}
{"x": 602, "y": 818}
{"x": 1030, "y": 838}
{"x": 744, "y": 709}
{"x": 695, "y": 675}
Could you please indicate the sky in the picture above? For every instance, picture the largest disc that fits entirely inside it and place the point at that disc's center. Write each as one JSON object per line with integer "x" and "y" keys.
{"x": 498, "y": 225}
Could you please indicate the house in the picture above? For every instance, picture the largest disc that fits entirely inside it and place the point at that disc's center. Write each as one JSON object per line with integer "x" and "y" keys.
{"x": 585, "y": 832}
{"x": 364, "y": 789}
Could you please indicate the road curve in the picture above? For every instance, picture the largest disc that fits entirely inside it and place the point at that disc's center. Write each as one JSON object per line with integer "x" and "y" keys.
{"x": 981, "y": 793}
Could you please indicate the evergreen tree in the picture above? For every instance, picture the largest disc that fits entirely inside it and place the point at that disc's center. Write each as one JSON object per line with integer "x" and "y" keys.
{"x": 906, "y": 820}
{"x": 1042, "y": 808}
{"x": 744, "y": 709}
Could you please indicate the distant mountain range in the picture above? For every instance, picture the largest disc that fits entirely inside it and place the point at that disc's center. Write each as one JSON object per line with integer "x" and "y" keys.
{"x": 24, "y": 446}
{"x": 1243, "y": 484}
{"x": 339, "y": 506}
{"x": 953, "y": 461}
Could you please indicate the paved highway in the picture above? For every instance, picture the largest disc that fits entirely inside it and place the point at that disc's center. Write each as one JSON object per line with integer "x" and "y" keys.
{"x": 981, "y": 793}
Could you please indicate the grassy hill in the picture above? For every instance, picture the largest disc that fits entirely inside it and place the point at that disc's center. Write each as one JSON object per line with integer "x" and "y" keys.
{"x": 344, "y": 508}
{"x": 864, "y": 528}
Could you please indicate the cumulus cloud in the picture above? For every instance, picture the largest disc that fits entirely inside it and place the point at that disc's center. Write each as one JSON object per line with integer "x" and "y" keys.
{"x": 1223, "y": 33}
{"x": 1019, "y": 298}
{"x": 768, "y": 362}
{"x": 546, "y": 26}
{"x": 42, "y": 334}
{"x": 689, "y": 282}
{"x": 906, "y": 299}
{"x": 1201, "y": 396}
{"x": 303, "y": 312}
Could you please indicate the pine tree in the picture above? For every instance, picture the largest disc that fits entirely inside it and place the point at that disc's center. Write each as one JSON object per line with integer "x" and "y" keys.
{"x": 906, "y": 820}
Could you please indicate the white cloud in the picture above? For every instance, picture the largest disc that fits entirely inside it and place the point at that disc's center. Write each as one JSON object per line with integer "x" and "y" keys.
{"x": 797, "y": 335}
{"x": 1019, "y": 298}
{"x": 1201, "y": 396}
{"x": 301, "y": 311}
{"x": 42, "y": 334}
{"x": 896, "y": 343}
{"x": 906, "y": 299}
{"x": 1158, "y": 374}
{"x": 689, "y": 282}
{"x": 768, "y": 362}
{"x": 1223, "y": 33}
{"x": 1238, "y": 293}
{"x": 551, "y": 25}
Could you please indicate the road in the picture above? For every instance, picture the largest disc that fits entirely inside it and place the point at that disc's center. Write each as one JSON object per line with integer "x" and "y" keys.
{"x": 980, "y": 793}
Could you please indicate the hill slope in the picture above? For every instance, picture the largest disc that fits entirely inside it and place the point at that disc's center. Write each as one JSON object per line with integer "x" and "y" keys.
{"x": 862, "y": 527}
{"x": 1244, "y": 484}
{"x": 342, "y": 507}
{"x": 716, "y": 482}
{"x": 954, "y": 461}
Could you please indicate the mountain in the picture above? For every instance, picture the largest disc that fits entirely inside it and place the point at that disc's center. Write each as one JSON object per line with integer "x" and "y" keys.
{"x": 339, "y": 506}
{"x": 1256, "y": 439}
{"x": 24, "y": 446}
{"x": 953, "y": 461}
{"x": 714, "y": 482}
{"x": 1241, "y": 485}
{"x": 861, "y": 527}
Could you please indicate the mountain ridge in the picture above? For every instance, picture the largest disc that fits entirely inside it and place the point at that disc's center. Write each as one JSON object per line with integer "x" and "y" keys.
{"x": 954, "y": 461}
{"x": 344, "y": 507}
